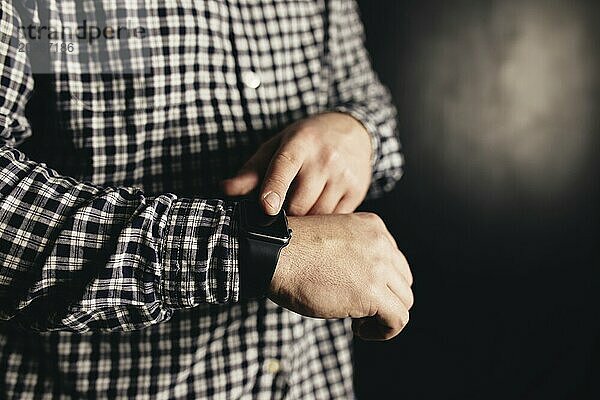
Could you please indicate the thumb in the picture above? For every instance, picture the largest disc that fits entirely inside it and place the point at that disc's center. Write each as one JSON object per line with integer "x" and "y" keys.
{"x": 283, "y": 169}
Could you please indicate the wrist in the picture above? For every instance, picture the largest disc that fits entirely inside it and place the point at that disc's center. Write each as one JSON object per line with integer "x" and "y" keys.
{"x": 284, "y": 264}
{"x": 261, "y": 240}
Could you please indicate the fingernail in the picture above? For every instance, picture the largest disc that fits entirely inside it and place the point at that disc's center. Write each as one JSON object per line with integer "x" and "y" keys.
{"x": 273, "y": 200}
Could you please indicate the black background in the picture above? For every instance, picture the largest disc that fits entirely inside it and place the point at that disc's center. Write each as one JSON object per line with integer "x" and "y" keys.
{"x": 506, "y": 273}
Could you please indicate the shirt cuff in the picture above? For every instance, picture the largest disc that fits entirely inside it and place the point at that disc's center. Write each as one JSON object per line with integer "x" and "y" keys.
{"x": 200, "y": 254}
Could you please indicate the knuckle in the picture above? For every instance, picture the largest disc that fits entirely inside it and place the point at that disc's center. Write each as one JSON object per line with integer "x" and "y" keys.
{"x": 277, "y": 181}
{"x": 348, "y": 177}
{"x": 382, "y": 245}
{"x": 308, "y": 132}
{"x": 381, "y": 238}
{"x": 411, "y": 279}
{"x": 400, "y": 321}
{"x": 406, "y": 266}
{"x": 368, "y": 219}
{"x": 373, "y": 219}
{"x": 329, "y": 156}
{"x": 404, "y": 319}
{"x": 397, "y": 323}
{"x": 357, "y": 218}
{"x": 411, "y": 300}
{"x": 286, "y": 157}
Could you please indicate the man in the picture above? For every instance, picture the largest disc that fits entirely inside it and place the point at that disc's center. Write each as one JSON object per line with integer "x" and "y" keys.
{"x": 128, "y": 278}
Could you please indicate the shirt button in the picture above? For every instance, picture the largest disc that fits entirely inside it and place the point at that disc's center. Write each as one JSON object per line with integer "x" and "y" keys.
{"x": 272, "y": 366}
{"x": 251, "y": 79}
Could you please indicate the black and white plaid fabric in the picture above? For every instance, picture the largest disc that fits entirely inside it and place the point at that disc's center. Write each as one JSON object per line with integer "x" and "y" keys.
{"x": 121, "y": 281}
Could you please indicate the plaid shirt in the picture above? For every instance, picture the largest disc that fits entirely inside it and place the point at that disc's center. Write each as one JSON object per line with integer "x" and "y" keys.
{"x": 121, "y": 281}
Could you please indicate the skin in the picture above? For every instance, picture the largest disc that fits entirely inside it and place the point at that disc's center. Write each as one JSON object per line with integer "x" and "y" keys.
{"x": 345, "y": 265}
{"x": 338, "y": 264}
{"x": 320, "y": 165}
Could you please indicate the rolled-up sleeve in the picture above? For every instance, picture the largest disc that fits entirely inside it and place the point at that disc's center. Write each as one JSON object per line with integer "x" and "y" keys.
{"x": 76, "y": 256}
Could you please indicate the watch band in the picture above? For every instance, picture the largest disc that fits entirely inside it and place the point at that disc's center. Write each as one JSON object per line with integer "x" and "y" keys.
{"x": 259, "y": 248}
{"x": 258, "y": 260}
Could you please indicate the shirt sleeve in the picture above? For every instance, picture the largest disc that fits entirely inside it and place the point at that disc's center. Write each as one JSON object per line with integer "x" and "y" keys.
{"x": 357, "y": 91}
{"x": 79, "y": 257}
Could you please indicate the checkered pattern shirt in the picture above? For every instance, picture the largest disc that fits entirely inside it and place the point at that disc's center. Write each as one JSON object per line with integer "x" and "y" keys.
{"x": 121, "y": 280}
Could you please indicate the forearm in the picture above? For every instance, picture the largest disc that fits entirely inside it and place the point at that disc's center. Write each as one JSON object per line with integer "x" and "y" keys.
{"x": 80, "y": 257}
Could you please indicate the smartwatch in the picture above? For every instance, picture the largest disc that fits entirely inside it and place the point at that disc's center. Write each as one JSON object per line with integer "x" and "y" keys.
{"x": 261, "y": 238}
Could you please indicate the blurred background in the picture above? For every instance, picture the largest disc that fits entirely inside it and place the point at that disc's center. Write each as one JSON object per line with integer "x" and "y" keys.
{"x": 498, "y": 212}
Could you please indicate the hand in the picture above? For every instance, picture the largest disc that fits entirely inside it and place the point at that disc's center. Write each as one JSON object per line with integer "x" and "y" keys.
{"x": 339, "y": 266}
{"x": 321, "y": 165}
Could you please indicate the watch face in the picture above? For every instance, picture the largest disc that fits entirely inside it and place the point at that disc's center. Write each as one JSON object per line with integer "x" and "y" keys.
{"x": 257, "y": 222}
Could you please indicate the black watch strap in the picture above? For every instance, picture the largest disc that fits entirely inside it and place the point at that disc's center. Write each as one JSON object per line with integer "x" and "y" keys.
{"x": 258, "y": 260}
